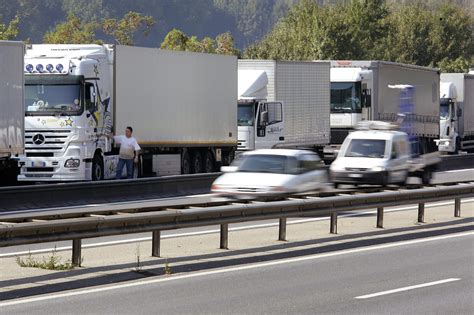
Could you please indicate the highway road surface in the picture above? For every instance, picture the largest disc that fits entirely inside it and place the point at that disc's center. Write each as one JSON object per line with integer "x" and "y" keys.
{"x": 423, "y": 276}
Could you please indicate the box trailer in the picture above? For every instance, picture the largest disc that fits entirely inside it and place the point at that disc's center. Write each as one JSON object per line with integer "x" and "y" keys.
{"x": 11, "y": 108}
{"x": 363, "y": 90}
{"x": 181, "y": 106}
{"x": 283, "y": 104}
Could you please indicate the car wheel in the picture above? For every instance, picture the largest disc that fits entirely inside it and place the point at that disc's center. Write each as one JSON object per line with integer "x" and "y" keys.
{"x": 426, "y": 177}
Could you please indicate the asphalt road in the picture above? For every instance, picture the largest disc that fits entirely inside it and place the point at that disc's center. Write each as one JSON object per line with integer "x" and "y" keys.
{"x": 48, "y": 247}
{"x": 422, "y": 276}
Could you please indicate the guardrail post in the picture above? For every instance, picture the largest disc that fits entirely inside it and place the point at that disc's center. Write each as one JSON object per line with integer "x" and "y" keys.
{"x": 333, "y": 227}
{"x": 156, "y": 244}
{"x": 421, "y": 212}
{"x": 457, "y": 207}
{"x": 76, "y": 252}
{"x": 224, "y": 236}
{"x": 380, "y": 217}
{"x": 282, "y": 230}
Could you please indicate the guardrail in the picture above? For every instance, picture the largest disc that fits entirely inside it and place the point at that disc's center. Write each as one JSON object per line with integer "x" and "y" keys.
{"x": 39, "y": 231}
{"x": 67, "y": 194}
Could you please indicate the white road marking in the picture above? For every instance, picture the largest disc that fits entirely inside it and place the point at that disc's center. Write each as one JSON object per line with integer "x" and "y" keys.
{"x": 228, "y": 270}
{"x": 234, "y": 229}
{"x": 412, "y": 287}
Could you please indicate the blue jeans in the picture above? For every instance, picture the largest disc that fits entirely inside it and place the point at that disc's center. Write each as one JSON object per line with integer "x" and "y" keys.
{"x": 121, "y": 164}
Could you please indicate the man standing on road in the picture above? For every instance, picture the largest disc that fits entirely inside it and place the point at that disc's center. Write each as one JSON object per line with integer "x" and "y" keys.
{"x": 128, "y": 153}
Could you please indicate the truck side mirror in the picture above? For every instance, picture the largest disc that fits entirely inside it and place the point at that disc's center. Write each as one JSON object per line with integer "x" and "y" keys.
{"x": 264, "y": 118}
{"x": 93, "y": 95}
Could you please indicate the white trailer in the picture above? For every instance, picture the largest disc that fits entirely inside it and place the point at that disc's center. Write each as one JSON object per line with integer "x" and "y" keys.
{"x": 360, "y": 91}
{"x": 456, "y": 112}
{"x": 283, "y": 104}
{"x": 11, "y": 108}
{"x": 180, "y": 104}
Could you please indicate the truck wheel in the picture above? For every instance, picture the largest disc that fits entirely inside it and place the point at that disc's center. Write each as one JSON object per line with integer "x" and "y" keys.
{"x": 97, "y": 168}
{"x": 197, "y": 162}
{"x": 208, "y": 162}
{"x": 185, "y": 164}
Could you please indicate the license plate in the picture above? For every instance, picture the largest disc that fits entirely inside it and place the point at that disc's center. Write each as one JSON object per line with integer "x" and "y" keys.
{"x": 355, "y": 175}
{"x": 38, "y": 164}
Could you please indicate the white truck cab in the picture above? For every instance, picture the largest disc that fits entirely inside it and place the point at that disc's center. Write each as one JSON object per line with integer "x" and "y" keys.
{"x": 260, "y": 123}
{"x": 379, "y": 154}
{"x": 67, "y": 113}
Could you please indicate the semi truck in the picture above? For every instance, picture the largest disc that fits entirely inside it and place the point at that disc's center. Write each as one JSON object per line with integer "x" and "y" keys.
{"x": 283, "y": 104}
{"x": 360, "y": 91}
{"x": 180, "y": 104}
{"x": 456, "y": 113}
{"x": 11, "y": 109}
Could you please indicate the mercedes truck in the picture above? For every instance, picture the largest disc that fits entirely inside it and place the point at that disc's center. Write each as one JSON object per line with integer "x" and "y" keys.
{"x": 283, "y": 104}
{"x": 180, "y": 104}
{"x": 456, "y": 113}
{"x": 360, "y": 90}
{"x": 11, "y": 109}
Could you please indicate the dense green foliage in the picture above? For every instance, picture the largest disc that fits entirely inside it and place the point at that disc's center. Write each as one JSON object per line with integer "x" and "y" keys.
{"x": 440, "y": 35}
{"x": 423, "y": 32}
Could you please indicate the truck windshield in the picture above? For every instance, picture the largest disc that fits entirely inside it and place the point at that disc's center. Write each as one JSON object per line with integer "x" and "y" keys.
{"x": 245, "y": 115}
{"x": 261, "y": 163}
{"x": 444, "y": 109}
{"x": 346, "y": 97}
{"x": 366, "y": 148}
{"x": 61, "y": 99}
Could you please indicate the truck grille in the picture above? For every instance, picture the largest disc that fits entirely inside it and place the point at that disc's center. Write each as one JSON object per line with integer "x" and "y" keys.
{"x": 45, "y": 143}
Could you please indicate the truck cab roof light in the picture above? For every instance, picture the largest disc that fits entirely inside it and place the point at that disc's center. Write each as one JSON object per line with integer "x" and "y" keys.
{"x": 29, "y": 67}
{"x": 39, "y": 68}
{"x": 50, "y": 67}
{"x": 59, "y": 67}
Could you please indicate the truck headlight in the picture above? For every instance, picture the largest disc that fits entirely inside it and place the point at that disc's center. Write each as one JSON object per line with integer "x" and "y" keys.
{"x": 72, "y": 163}
{"x": 378, "y": 169}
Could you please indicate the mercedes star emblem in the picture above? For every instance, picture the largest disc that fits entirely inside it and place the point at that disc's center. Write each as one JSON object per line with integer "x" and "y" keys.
{"x": 38, "y": 139}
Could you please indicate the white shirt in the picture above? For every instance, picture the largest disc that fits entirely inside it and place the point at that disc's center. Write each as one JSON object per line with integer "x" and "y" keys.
{"x": 127, "y": 146}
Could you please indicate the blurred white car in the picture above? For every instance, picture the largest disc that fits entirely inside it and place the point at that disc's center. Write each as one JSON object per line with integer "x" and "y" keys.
{"x": 271, "y": 172}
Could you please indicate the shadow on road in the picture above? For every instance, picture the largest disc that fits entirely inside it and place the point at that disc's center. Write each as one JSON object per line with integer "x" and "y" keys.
{"x": 63, "y": 281}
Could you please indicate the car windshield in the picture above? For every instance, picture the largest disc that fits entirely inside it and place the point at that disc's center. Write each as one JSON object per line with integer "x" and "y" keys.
{"x": 61, "y": 99}
{"x": 444, "y": 109}
{"x": 366, "y": 148}
{"x": 264, "y": 163}
{"x": 245, "y": 115}
{"x": 345, "y": 97}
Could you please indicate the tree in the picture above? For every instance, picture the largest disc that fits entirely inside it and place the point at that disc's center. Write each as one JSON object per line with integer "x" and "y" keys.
{"x": 175, "y": 40}
{"x": 178, "y": 40}
{"x": 72, "y": 31}
{"x": 225, "y": 45}
{"x": 10, "y": 31}
{"x": 123, "y": 30}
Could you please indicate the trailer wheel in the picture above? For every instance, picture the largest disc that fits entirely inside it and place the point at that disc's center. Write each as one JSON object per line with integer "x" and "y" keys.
{"x": 197, "y": 162}
{"x": 185, "y": 163}
{"x": 209, "y": 165}
{"x": 97, "y": 168}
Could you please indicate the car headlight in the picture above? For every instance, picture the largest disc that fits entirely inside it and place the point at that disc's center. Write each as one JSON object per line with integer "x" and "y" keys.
{"x": 378, "y": 169}
{"x": 72, "y": 163}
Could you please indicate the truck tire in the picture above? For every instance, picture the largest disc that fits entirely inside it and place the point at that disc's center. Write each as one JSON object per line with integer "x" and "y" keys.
{"x": 209, "y": 165}
{"x": 185, "y": 163}
{"x": 97, "y": 168}
{"x": 197, "y": 163}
